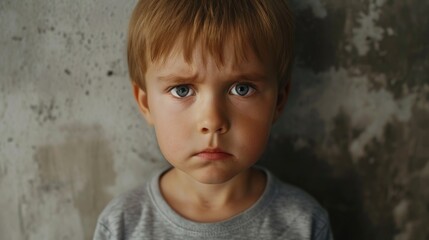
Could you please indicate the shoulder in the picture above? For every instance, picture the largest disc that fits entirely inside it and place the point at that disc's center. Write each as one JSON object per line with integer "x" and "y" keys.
{"x": 297, "y": 212}
{"x": 125, "y": 208}
{"x": 297, "y": 201}
{"x": 291, "y": 199}
{"x": 124, "y": 213}
{"x": 128, "y": 203}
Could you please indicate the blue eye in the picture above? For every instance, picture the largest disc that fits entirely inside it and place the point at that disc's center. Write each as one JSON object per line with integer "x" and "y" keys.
{"x": 242, "y": 89}
{"x": 182, "y": 91}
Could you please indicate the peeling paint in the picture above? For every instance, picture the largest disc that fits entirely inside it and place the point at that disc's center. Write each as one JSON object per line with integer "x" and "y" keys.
{"x": 45, "y": 112}
{"x": 369, "y": 110}
{"x": 400, "y": 212}
{"x": 368, "y": 34}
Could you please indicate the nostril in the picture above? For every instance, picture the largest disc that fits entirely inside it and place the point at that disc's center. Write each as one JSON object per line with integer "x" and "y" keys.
{"x": 206, "y": 130}
{"x": 218, "y": 129}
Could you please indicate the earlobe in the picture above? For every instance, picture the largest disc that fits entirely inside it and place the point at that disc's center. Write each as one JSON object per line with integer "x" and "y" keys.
{"x": 142, "y": 100}
{"x": 281, "y": 101}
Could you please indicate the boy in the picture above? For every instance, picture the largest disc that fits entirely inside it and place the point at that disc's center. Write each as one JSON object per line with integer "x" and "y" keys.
{"x": 212, "y": 76}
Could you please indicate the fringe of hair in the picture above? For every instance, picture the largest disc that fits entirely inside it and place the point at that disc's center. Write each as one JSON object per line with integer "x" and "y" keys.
{"x": 158, "y": 26}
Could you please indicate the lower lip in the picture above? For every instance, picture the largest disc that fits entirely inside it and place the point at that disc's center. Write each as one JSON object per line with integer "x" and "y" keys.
{"x": 214, "y": 155}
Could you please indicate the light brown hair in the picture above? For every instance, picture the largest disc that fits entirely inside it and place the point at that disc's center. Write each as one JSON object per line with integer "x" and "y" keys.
{"x": 266, "y": 26}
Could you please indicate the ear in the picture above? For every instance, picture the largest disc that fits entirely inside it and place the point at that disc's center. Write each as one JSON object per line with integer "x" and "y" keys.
{"x": 142, "y": 100}
{"x": 282, "y": 97}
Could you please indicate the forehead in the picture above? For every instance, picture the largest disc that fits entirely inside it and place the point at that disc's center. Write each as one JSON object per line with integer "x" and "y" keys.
{"x": 231, "y": 58}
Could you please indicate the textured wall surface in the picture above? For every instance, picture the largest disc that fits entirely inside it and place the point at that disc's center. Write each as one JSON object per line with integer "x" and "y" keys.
{"x": 355, "y": 132}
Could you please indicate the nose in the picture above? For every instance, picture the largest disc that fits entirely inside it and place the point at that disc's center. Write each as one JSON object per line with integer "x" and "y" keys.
{"x": 213, "y": 117}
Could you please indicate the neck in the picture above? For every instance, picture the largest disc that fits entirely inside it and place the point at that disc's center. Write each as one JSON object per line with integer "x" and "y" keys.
{"x": 243, "y": 187}
{"x": 216, "y": 195}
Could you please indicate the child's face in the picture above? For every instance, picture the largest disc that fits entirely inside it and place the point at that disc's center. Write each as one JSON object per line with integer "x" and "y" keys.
{"x": 199, "y": 106}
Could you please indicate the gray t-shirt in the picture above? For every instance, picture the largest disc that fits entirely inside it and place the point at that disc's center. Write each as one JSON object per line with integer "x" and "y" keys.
{"x": 282, "y": 212}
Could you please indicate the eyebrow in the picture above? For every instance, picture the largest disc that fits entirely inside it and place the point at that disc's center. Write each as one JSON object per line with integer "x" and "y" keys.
{"x": 250, "y": 76}
{"x": 177, "y": 78}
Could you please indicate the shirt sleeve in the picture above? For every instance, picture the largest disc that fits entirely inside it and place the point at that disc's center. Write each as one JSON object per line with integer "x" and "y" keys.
{"x": 324, "y": 233}
{"x": 102, "y": 232}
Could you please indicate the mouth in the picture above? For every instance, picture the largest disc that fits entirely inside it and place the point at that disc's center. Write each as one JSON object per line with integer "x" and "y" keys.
{"x": 213, "y": 154}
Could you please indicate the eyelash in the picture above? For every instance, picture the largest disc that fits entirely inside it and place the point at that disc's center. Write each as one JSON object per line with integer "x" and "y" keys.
{"x": 170, "y": 90}
{"x": 250, "y": 85}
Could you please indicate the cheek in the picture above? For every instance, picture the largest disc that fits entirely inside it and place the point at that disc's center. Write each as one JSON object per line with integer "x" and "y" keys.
{"x": 170, "y": 128}
{"x": 253, "y": 128}
{"x": 254, "y": 136}
{"x": 170, "y": 135}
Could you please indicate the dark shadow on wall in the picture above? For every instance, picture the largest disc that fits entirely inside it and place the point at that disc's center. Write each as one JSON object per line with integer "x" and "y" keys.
{"x": 382, "y": 195}
{"x": 337, "y": 188}
{"x": 339, "y": 193}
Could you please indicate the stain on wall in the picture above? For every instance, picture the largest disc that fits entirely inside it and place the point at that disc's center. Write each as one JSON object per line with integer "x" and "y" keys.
{"x": 78, "y": 171}
{"x": 354, "y": 134}
{"x": 71, "y": 136}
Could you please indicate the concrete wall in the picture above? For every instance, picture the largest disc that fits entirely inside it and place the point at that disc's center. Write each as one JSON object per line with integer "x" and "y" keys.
{"x": 355, "y": 132}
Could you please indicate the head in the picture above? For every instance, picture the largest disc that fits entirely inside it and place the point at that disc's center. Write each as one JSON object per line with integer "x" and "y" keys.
{"x": 211, "y": 75}
{"x": 263, "y": 26}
